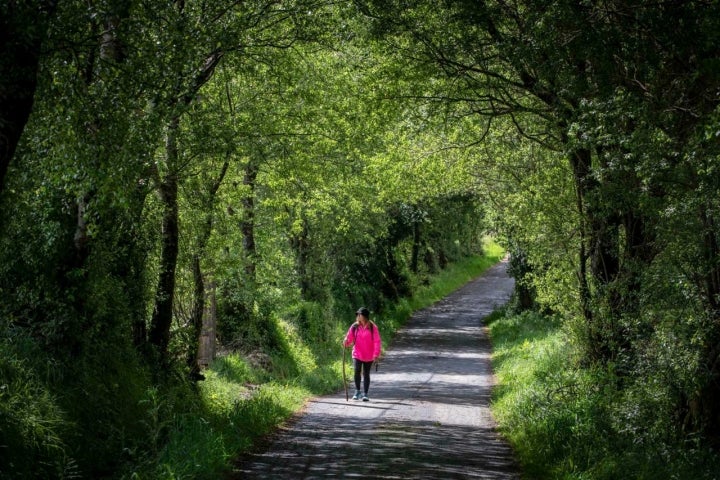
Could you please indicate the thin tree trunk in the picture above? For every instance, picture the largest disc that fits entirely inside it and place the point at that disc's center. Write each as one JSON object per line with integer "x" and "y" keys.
{"x": 247, "y": 225}
{"x": 159, "y": 335}
{"x": 580, "y": 163}
{"x": 196, "y": 317}
{"x": 301, "y": 244}
{"x": 417, "y": 239}
{"x": 199, "y": 296}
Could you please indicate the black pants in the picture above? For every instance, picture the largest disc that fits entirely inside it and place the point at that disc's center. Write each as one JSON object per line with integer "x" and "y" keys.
{"x": 363, "y": 367}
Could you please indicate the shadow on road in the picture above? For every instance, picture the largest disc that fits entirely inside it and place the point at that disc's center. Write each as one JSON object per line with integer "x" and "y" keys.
{"x": 428, "y": 417}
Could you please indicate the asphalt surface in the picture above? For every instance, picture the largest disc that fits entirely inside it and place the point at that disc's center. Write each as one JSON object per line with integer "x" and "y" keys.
{"x": 428, "y": 416}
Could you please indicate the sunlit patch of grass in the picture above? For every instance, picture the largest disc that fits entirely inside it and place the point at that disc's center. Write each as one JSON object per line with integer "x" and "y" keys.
{"x": 204, "y": 445}
{"x": 541, "y": 403}
{"x": 300, "y": 354}
{"x": 233, "y": 367}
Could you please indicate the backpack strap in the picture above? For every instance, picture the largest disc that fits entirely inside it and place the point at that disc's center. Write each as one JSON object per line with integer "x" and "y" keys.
{"x": 355, "y": 326}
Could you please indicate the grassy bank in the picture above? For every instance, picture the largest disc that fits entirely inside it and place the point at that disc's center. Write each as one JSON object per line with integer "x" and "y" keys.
{"x": 246, "y": 396}
{"x": 567, "y": 421}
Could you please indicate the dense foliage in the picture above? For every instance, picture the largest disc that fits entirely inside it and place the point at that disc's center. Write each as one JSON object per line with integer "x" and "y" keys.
{"x": 286, "y": 161}
{"x": 247, "y": 155}
{"x": 567, "y": 421}
{"x": 606, "y": 115}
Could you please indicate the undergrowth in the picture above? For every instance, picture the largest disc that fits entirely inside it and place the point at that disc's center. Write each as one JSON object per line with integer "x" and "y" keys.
{"x": 570, "y": 421}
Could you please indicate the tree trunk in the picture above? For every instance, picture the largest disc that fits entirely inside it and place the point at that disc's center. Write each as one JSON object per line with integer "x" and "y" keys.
{"x": 159, "y": 335}
{"x": 208, "y": 333}
{"x": 417, "y": 239}
{"x": 168, "y": 192}
{"x": 393, "y": 285}
{"x": 23, "y": 29}
{"x": 247, "y": 225}
{"x": 301, "y": 244}
{"x": 199, "y": 296}
{"x": 580, "y": 163}
{"x": 599, "y": 245}
{"x": 196, "y": 317}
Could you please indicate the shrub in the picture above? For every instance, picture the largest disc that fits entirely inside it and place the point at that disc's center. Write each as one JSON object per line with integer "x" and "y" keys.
{"x": 32, "y": 424}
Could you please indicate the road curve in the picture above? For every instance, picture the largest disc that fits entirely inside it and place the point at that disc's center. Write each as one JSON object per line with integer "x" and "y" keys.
{"x": 428, "y": 417}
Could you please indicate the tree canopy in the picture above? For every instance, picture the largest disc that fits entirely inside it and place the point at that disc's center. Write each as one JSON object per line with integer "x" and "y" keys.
{"x": 284, "y": 157}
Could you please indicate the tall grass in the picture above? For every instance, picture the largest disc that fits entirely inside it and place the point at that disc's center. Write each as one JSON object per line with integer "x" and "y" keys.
{"x": 31, "y": 422}
{"x": 244, "y": 398}
{"x": 567, "y": 421}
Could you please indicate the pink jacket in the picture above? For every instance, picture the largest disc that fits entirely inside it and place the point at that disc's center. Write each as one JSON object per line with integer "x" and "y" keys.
{"x": 366, "y": 341}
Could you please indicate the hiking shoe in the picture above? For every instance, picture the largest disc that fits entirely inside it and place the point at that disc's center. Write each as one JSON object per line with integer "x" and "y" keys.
{"x": 356, "y": 396}
{"x": 365, "y": 398}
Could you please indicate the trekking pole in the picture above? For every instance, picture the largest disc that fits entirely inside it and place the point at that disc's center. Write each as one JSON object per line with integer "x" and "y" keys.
{"x": 347, "y": 398}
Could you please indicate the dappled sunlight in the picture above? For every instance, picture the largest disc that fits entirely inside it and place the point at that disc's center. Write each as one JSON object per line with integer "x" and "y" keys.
{"x": 428, "y": 416}
{"x": 392, "y": 449}
{"x": 301, "y": 354}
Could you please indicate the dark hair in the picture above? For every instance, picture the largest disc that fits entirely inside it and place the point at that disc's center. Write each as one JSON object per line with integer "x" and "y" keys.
{"x": 364, "y": 312}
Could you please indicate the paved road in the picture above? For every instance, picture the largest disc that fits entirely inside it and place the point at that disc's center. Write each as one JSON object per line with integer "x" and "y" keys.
{"x": 428, "y": 417}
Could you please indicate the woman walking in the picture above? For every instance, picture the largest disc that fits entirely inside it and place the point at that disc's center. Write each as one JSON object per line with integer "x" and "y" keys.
{"x": 364, "y": 336}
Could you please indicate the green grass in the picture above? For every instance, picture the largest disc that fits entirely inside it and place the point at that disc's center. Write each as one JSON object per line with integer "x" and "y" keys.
{"x": 31, "y": 422}
{"x": 566, "y": 421}
{"x": 241, "y": 403}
